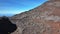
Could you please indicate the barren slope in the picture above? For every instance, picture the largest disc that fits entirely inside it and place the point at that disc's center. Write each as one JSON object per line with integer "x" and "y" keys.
{"x": 44, "y": 19}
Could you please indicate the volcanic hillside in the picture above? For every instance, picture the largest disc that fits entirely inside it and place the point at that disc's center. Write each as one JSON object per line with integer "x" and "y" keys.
{"x": 44, "y": 19}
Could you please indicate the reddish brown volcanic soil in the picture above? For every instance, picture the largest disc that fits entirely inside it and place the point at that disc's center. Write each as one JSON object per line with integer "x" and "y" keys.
{"x": 44, "y": 19}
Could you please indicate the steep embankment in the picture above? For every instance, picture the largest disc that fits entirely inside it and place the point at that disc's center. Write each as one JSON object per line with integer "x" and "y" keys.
{"x": 44, "y": 19}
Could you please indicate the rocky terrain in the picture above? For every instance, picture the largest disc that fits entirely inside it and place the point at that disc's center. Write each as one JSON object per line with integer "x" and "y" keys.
{"x": 44, "y": 19}
{"x": 6, "y": 26}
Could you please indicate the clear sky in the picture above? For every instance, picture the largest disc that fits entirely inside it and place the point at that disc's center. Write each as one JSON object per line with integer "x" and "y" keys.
{"x": 11, "y": 7}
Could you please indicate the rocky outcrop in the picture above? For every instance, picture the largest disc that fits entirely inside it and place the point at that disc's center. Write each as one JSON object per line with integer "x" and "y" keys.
{"x": 6, "y": 26}
{"x": 44, "y": 19}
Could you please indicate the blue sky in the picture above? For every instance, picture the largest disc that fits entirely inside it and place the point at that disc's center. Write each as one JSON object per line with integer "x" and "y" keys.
{"x": 11, "y": 7}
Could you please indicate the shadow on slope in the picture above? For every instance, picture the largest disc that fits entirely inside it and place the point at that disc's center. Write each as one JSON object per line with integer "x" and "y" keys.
{"x": 6, "y": 26}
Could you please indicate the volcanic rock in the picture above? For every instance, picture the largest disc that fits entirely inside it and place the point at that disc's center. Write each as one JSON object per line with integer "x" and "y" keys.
{"x": 44, "y": 19}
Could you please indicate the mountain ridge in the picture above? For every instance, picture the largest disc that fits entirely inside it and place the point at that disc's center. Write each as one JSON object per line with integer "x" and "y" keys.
{"x": 44, "y": 19}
